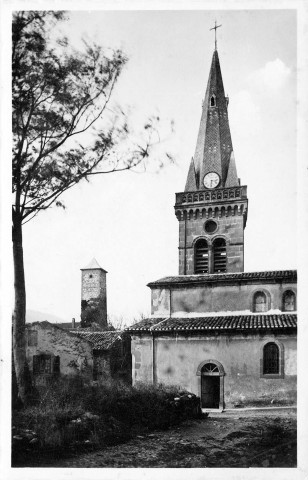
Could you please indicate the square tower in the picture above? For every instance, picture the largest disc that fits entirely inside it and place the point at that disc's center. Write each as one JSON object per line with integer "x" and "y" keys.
{"x": 93, "y": 295}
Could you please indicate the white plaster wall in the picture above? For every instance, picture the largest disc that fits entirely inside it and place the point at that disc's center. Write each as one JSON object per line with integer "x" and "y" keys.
{"x": 177, "y": 359}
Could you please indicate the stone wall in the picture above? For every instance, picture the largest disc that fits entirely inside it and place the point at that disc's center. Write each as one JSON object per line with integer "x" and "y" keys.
{"x": 94, "y": 292}
{"x": 66, "y": 353}
{"x": 231, "y": 228}
{"x": 75, "y": 354}
{"x": 93, "y": 284}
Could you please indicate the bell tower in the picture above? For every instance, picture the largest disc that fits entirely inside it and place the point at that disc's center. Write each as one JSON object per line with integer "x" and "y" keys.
{"x": 212, "y": 211}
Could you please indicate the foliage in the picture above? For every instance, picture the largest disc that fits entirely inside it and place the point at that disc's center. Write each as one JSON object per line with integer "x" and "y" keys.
{"x": 116, "y": 322}
{"x": 91, "y": 312}
{"x": 119, "y": 322}
{"x": 72, "y": 413}
{"x": 64, "y": 130}
{"x": 58, "y": 94}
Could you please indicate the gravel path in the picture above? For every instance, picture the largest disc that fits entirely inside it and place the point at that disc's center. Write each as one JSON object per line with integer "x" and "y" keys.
{"x": 231, "y": 439}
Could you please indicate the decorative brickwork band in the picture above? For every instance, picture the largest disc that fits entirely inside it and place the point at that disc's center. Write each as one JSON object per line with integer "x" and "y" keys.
{"x": 216, "y": 195}
{"x": 217, "y": 212}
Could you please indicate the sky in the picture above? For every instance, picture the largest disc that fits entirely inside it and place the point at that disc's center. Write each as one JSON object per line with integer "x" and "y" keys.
{"x": 126, "y": 220}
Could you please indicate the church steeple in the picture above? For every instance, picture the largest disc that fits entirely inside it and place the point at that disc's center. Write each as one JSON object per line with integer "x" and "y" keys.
{"x": 212, "y": 211}
{"x": 214, "y": 151}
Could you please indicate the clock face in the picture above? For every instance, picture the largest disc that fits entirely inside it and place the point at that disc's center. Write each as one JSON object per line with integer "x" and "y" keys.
{"x": 211, "y": 180}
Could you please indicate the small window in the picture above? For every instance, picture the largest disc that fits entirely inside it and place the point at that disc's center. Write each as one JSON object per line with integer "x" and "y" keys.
{"x": 213, "y": 101}
{"x": 260, "y": 303}
{"x": 288, "y": 301}
{"x": 46, "y": 364}
{"x": 41, "y": 364}
{"x": 32, "y": 338}
{"x": 56, "y": 365}
{"x": 270, "y": 359}
{"x": 201, "y": 257}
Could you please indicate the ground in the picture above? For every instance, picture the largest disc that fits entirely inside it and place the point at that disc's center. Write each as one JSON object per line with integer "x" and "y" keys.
{"x": 238, "y": 438}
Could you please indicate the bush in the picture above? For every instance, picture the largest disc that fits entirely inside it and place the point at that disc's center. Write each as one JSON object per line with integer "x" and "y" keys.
{"x": 72, "y": 414}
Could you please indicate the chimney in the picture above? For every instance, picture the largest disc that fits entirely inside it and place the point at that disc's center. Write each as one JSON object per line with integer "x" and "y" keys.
{"x": 73, "y": 322}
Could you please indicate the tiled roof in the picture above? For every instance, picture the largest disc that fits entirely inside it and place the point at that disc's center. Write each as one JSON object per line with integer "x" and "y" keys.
{"x": 146, "y": 324}
{"x": 100, "y": 340}
{"x": 287, "y": 275}
{"x": 220, "y": 323}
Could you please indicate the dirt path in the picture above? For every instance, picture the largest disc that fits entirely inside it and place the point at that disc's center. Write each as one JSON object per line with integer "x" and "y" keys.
{"x": 239, "y": 439}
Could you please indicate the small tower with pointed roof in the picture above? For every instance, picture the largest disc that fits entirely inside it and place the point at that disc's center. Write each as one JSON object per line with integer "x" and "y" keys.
{"x": 212, "y": 211}
{"x": 94, "y": 291}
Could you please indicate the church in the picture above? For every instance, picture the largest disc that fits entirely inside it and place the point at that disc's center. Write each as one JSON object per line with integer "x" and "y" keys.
{"x": 227, "y": 335}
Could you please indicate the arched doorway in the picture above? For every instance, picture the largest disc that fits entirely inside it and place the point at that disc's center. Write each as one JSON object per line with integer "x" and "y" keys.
{"x": 211, "y": 384}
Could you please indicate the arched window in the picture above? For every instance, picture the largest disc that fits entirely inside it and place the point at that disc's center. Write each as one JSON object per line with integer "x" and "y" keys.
{"x": 213, "y": 101}
{"x": 219, "y": 255}
{"x": 260, "y": 303}
{"x": 270, "y": 359}
{"x": 288, "y": 301}
{"x": 201, "y": 256}
{"x": 210, "y": 369}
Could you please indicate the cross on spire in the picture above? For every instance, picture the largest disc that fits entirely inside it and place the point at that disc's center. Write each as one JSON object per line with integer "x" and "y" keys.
{"x": 215, "y": 28}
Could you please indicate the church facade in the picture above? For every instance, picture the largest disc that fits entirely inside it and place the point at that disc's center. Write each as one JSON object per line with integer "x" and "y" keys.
{"x": 226, "y": 335}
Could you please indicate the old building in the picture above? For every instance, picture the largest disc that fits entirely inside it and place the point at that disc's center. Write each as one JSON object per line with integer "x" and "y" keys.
{"x": 85, "y": 348}
{"x": 93, "y": 295}
{"x": 111, "y": 354}
{"x": 225, "y": 334}
{"x": 101, "y": 356}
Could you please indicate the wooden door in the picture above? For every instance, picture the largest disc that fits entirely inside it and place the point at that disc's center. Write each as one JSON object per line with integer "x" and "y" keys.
{"x": 210, "y": 391}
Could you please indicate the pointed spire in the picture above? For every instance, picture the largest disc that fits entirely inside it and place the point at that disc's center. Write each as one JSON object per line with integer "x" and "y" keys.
{"x": 191, "y": 184}
{"x": 93, "y": 265}
{"x": 232, "y": 178}
{"x": 214, "y": 144}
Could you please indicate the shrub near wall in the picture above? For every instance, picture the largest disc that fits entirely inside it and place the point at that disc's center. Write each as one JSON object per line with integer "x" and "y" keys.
{"x": 70, "y": 415}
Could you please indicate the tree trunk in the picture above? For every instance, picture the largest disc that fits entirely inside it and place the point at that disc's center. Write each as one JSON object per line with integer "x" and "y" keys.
{"x": 19, "y": 315}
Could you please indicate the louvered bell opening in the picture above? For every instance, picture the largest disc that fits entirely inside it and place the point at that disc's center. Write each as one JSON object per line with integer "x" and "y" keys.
{"x": 220, "y": 256}
{"x": 201, "y": 257}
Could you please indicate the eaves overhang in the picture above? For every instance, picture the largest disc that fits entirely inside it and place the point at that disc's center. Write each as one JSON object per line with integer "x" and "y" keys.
{"x": 207, "y": 280}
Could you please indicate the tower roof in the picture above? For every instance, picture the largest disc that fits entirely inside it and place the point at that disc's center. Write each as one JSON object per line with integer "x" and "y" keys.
{"x": 214, "y": 151}
{"x": 93, "y": 265}
{"x": 191, "y": 178}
